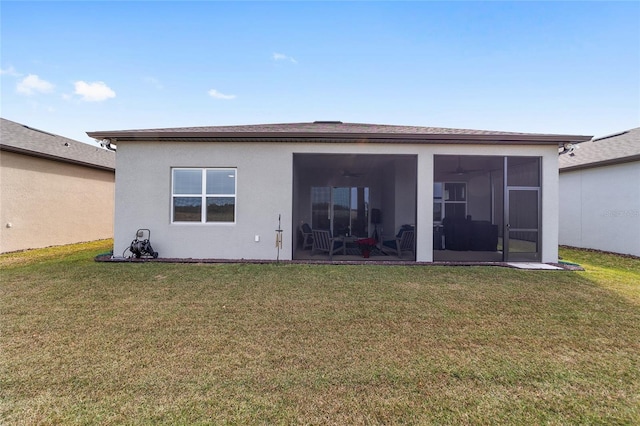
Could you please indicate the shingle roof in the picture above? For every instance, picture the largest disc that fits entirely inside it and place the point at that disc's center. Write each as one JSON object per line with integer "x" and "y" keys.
{"x": 19, "y": 138}
{"x": 618, "y": 148}
{"x": 331, "y": 131}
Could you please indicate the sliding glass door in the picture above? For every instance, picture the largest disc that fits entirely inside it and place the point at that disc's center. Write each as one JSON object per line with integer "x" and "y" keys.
{"x": 342, "y": 210}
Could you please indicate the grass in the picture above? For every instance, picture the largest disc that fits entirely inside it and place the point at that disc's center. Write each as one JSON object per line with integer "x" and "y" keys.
{"x": 620, "y": 274}
{"x": 97, "y": 343}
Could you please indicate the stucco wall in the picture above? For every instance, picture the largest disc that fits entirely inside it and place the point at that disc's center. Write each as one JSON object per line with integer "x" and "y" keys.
{"x": 265, "y": 190}
{"x": 600, "y": 208}
{"x": 45, "y": 203}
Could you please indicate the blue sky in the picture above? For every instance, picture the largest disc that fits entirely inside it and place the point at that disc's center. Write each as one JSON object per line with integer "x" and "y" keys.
{"x": 547, "y": 67}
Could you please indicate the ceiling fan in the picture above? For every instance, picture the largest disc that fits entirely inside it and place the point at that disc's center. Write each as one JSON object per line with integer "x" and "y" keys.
{"x": 461, "y": 171}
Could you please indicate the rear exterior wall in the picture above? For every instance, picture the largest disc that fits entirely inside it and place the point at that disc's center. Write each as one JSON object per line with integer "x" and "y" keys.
{"x": 265, "y": 191}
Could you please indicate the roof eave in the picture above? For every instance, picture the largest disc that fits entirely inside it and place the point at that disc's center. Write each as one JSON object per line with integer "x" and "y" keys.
{"x": 17, "y": 150}
{"x": 610, "y": 162}
{"x": 346, "y": 137}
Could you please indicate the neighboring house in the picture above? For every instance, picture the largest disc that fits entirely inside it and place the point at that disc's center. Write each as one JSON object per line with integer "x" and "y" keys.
{"x": 600, "y": 194}
{"x": 217, "y": 192}
{"x": 54, "y": 190}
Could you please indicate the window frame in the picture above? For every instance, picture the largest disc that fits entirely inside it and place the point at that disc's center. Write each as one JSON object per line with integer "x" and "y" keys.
{"x": 204, "y": 196}
{"x": 443, "y": 201}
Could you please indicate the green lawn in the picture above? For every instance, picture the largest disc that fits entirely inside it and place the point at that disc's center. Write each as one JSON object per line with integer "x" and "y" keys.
{"x": 111, "y": 343}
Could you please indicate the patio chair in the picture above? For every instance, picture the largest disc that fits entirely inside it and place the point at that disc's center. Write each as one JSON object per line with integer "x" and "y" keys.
{"x": 403, "y": 242}
{"x": 323, "y": 242}
{"x": 307, "y": 236}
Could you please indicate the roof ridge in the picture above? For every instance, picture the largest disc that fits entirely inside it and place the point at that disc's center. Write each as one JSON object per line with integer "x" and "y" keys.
{"x": 612, "y": 135}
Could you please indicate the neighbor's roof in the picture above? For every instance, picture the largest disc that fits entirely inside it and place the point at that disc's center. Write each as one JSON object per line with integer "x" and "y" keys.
{"x": 23, "y": 139}
{"x": 621, "y": 147}
{"x": 331, "y": 131}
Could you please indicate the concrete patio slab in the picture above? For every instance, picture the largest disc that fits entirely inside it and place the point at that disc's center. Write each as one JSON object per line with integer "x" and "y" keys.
{"x": 526, "y": 265}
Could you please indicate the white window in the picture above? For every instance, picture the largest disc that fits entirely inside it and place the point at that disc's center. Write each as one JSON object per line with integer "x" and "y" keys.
{"x": 449, "y": 199}
{"x": 203, "y": 195}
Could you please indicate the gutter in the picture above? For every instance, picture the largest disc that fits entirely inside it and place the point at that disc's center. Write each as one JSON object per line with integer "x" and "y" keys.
{"x": 114, "y": 137}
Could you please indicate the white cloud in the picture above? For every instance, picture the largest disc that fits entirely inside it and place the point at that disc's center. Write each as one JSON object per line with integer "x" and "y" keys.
{"x": 93, "y": 92}
{"x": 11, "y": 71}
{"x": 39, "y": 107}
{"x": 154, "y": 82}
{"x": 283, "y": 57}
{"x": 33, "y": 84}
{"x": 215, "y": 94}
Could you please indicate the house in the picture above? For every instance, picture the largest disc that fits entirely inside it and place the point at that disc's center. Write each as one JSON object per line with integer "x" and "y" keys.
{"x": 54, "y": 190}
{"x": 600, "y": 194}
{"x": 219, "y": 192}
